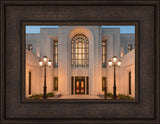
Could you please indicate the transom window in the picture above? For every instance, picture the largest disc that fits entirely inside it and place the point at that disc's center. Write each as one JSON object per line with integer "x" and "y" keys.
{"x": 80, "y": 51}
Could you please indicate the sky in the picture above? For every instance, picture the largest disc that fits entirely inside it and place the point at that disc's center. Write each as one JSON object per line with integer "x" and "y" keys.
{"x": 129, "y": 29}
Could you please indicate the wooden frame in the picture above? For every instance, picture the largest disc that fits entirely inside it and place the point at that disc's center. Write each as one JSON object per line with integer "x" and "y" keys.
{"x": 144, "y": 14}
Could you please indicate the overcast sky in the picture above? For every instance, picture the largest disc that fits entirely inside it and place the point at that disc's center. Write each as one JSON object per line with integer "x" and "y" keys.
{"x": 123, "y": 29}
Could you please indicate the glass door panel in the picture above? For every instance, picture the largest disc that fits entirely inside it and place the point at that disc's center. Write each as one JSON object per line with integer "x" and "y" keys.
{"x": 80, "y": 87}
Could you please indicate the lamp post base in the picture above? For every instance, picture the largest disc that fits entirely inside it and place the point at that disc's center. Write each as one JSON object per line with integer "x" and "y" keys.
{"x": 44, "y": 94}
{"x": 114, "y": 93}
{"x": 105, "y": 93}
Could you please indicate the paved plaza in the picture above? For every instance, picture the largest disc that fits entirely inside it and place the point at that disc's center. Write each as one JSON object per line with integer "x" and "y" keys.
{"x": 78, "y": 97}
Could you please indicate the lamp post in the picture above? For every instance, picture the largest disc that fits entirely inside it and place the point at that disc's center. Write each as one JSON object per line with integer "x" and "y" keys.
{"x": 115, "y": 63}
{"x": 44, "y": 63}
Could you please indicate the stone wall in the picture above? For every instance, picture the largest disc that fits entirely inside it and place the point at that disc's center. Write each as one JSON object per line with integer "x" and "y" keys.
{"x": 128, "y": 64}
{"x": 37, "y": 75}
{"x": 126, "y": 39}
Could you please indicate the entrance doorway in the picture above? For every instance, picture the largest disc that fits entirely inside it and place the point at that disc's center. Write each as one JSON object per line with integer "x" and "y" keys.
{"x": 80, "y": 85}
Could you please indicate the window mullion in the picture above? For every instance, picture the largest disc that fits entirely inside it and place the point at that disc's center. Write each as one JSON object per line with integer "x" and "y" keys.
{"x": 74, "y": 64}
{"x": 85, "y": 56}
{"x": 81, "y": 59}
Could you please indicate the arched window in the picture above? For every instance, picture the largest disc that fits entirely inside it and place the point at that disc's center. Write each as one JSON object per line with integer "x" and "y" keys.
{"x": 80, "y": 51}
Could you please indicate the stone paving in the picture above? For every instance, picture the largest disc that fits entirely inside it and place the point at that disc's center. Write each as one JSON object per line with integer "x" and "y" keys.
{"x": 78, "y": 97}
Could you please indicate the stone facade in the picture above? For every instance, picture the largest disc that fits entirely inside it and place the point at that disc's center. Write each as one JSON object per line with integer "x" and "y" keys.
{"x": 117, "y": 45}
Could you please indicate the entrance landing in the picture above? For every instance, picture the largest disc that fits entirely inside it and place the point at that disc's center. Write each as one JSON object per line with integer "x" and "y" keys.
{"x": 80, "y": 97}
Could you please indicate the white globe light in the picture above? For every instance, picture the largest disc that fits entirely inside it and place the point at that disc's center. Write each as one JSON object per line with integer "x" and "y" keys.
{"x": 114, "y": 59}
{"x": 119, "y": 63}
{"x": 45, "y": 59}
{"x": 49, "y": 63}
{"x": 110, "y": 63}
{"x": 40, "y": 63}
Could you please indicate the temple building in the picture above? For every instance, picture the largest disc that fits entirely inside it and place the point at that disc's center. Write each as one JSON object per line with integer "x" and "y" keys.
{"x": 80, "y": 56}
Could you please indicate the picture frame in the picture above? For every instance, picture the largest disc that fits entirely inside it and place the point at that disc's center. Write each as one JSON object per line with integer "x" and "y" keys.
{"x": 145, "y": 14}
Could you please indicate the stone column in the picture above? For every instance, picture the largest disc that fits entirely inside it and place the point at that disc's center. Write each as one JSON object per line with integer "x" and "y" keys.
{"x": 85, "y": 85}
{"x": 74, "y": 85}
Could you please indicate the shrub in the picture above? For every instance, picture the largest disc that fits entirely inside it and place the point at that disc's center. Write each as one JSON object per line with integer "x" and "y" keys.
{"x": 39, "y": 96}
{"x": 109, "y": 95}
{"x": 36, "y": 96}
{"x": 50, "y": 94}
{"x": 122, "y": 96}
